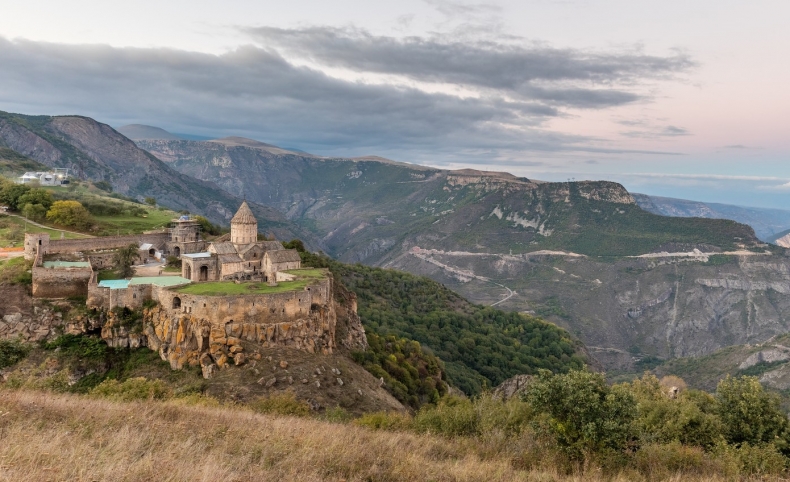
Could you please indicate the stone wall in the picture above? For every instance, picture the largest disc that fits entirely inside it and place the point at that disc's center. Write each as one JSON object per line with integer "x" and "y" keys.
{"x": 101, "y": 261}
{"x": 60, "y": 282}
{"x": 274, "y": 307}
{"x": 132, "y": 297}
{"x": 214, "y": 331}
{"x": 52, "y": 246}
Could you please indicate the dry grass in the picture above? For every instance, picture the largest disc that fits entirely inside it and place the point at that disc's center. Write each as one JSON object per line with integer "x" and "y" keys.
{"x": 44, "y": 436}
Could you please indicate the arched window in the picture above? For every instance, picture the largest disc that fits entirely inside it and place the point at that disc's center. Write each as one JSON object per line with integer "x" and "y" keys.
{"x": 176, "y": 302}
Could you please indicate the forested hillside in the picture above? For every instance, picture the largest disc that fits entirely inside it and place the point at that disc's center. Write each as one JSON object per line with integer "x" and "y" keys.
{"x": 480, "y": 346}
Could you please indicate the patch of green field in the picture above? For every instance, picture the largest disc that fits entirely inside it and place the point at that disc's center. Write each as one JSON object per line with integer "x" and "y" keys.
{"x": 220, "y": 288}
{"x": 308, "y": 273}
{"x": 12, "y": 231}
{"x": 124, "y": 224}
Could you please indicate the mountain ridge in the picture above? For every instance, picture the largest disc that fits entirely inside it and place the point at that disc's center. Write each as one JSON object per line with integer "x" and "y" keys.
{"x": 97, "y": 152}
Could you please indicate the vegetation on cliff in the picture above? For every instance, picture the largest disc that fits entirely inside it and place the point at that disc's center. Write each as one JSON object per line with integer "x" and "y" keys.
{"x": 480, "y": 346}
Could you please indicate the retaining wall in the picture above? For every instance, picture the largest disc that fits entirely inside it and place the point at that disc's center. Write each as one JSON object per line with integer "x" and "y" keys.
{"x": 60, "y": 282}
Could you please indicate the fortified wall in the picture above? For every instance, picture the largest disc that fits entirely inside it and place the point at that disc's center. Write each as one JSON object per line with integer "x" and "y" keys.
{"x": 43, "y": 242}
{"x": 215, "y": 331}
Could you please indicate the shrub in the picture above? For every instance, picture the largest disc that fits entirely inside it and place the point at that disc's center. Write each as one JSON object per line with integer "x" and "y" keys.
{"x": 337, "y": 414}
{"x": 689, "y": 419}
{"x": 138, "y": 388}
{"x": 11, "y": 352}
{"x": 761, "y": 459}
{"x": 281, "y": 404}
{"x": 663, "y": 461}
{"x": 451, "y": 417}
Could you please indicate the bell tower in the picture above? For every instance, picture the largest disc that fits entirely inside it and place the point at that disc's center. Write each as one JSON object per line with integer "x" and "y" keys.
{"x": 244, "y": 226}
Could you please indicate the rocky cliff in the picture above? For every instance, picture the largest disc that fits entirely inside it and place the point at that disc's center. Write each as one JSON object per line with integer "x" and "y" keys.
{"x": 666, "y": 305}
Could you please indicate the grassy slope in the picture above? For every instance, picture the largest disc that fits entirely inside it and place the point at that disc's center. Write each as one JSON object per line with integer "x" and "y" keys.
{"x": 68, "y": 437}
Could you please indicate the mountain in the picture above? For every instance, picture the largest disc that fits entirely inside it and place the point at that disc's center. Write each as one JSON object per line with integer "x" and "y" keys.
{"x": 372, "y": 210}
{"x": 766, "y": 222}
{"x": 629, "y": 283}
{"x": 96, "y": 152}
{"x": 138, "y": 132}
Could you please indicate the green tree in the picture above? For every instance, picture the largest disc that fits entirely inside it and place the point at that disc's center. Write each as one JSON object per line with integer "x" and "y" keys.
{"x": 124, "y": 259}
{"x": 296, "y": 244}
{"x": 582, "y": 413}
{"x": 36, "y": 196}
{"x": 69, "y": 213}
{"x": 10, "y": 194}
{"x": 36, "y": 212}
{"x": 749, "y": 413}
{"x": 150, "y": 201}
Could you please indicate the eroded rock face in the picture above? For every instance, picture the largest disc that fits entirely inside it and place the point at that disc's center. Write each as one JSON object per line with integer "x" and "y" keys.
{"x": 183, "y": 339}
{"x": 22, "y": 317}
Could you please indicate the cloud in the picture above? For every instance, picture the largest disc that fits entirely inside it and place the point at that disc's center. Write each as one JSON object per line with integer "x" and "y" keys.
{"x": 651, "y": 132}
{"x": 257, "y": 92}
{"x": 673, "y": 131}
{"x": 466, "y": 10}
{"x": 527, "y": 71}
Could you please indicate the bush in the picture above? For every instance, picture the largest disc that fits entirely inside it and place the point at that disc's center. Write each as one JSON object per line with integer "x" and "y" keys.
{"x": 11, "y": 352}
{"x": 139, "y": 388}
{"x": 16, "y": 271}
{"x": 281, "y": 404}
{"x": 749, "y": 414}
{"x": 664, "y": 461}
{"x": 79, "y": 346}
{"x": 581, "y": 413}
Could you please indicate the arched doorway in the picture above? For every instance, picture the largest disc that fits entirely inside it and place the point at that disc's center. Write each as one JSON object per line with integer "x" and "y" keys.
{"x": 152, "y": 252}
{"x": 176, "y": 302}
{"x": 177, "y": 251}
{"x": 187, "y": 271}
{"x": 203, "y": 273}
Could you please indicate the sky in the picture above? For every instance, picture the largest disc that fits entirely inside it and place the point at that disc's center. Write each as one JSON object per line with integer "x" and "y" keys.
{"x": 683, "y": 99}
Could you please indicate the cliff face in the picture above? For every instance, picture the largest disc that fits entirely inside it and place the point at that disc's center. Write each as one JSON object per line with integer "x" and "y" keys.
{"x": 97, "y": 152}
{"x": 215, "y": 331}
{"x": 626, "y": 309}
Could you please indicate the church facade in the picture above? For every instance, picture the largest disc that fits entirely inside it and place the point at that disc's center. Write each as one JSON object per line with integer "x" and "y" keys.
{"x": 243, "y": 257}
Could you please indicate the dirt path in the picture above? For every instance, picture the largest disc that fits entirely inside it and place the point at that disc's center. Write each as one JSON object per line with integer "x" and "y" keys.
{"x": 463, "y": 273}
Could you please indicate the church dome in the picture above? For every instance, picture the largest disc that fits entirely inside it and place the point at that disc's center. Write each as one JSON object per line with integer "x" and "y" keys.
{"x": 244, "y": 215}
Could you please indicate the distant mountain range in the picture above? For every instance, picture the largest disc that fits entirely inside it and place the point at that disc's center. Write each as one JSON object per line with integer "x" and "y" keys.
{"x": 767, "y": 223}
{"x": 583, "y": 255}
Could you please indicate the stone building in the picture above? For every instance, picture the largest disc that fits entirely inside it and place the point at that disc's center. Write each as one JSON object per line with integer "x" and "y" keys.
{"x": 185, "y": 237}
{"x": 243, "y": 257}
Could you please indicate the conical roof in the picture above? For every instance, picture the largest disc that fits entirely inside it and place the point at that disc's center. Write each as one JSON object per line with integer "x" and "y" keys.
{"x": 244, "y": 215}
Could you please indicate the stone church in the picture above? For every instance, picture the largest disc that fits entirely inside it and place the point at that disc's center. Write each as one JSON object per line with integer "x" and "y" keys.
{"x": 242, "y": 257}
